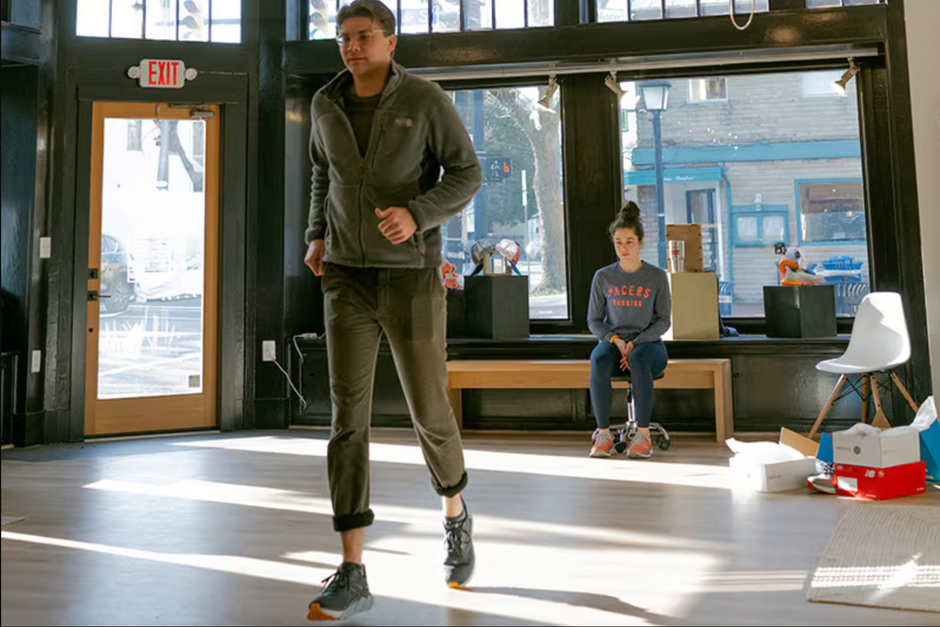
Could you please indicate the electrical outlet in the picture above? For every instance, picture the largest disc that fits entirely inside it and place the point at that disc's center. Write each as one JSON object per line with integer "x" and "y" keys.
{"x": 269, "y": 350}
{"x": 36, "y": 366}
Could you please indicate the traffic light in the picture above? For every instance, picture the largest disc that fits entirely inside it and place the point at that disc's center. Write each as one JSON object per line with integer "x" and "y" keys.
{"x": 194, "y": 25}
{"x": 496, "y": 169}
{"x": 319, "y": 25}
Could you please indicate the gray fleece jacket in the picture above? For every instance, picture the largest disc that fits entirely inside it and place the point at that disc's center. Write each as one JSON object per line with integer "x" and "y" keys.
{"x": 416, "y": 134}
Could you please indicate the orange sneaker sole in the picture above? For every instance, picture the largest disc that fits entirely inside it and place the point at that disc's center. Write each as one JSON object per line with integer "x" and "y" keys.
{"x": 317, "y": 614}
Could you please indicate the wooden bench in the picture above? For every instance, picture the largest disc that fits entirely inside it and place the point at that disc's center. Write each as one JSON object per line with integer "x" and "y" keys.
{"x": 698, "y": 374}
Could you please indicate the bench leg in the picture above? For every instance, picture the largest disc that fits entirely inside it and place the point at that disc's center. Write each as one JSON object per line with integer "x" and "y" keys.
{"x": 456, "y": 402}
{"x": 724, "y": 404}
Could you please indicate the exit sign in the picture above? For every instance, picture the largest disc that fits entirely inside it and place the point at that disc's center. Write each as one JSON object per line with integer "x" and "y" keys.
{"x": 162, "y": 73}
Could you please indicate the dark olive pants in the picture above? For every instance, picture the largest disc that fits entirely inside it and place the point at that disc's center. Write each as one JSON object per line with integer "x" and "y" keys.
{"x": 409, "y": 306}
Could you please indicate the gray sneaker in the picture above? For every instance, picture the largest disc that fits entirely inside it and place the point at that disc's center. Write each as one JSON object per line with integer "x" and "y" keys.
{"x": 344, "y": 594}
{"x": 458, "y": 539}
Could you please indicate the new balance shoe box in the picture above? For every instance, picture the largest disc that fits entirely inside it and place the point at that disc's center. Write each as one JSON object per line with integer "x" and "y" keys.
{"x": 930, "y": 451}
{"x": 889, "y": 448}
{"x": 880, "y": 484}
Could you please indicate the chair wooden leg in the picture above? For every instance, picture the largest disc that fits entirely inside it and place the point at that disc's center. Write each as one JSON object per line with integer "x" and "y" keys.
{"x": 865, "y": 398}
{"x": 825, "y": 411}
{"x": 880, "y": 420}
{"x": 897, "y": 382}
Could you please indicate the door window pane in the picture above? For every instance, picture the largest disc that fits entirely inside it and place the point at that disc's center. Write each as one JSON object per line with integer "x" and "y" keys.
{"x": 153, "y": 240}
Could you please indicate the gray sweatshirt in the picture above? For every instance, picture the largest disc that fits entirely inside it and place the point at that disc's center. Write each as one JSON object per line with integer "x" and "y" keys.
{"x": 636, "y": 306}
{"x": 416, "y": 135}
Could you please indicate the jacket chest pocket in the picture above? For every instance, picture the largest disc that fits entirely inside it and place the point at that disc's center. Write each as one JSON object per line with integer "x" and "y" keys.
{"x": 400, "y": 146}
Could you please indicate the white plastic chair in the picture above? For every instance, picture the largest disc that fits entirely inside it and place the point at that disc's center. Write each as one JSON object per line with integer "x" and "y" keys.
{"x": 879, "y": 343}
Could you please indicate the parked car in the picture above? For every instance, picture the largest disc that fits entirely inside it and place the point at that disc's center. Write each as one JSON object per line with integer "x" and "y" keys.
{"x": 118, "y": 288}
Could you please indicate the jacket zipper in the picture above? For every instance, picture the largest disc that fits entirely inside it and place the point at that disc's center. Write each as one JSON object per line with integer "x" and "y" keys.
{"x": 378, "y": 138}
{"x": 363, "y": 168}
{"x": 362, "y": 178}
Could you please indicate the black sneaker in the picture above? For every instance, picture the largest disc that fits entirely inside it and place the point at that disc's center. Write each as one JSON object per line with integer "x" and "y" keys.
{"x": 458, "y": 539}
{"x": 344, "y": 594}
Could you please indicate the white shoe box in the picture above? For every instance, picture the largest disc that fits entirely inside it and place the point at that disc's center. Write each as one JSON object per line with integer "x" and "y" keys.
{"x": 890, "y": 448}
{"x": 771, "y": 477}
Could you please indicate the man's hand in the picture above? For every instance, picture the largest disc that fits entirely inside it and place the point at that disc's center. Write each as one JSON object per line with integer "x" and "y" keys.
{"x": 314, "y": 258}
{"x": 397, "y": 224}
{"x": 625, "y": 350}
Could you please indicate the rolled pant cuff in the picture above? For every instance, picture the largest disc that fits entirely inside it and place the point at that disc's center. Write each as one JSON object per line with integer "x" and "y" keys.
{"x": 353, "y": 521}
{"x": 454, "y": 491}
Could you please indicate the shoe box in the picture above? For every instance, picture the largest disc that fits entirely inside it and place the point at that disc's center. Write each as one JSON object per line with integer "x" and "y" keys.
{"x": 881, "y": 483}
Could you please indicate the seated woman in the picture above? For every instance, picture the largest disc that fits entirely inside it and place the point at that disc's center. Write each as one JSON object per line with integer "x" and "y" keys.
{"x": 629, "y": 312}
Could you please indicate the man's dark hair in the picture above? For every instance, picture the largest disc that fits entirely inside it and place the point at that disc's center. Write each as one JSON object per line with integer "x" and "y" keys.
{"x": 373, "y": 9}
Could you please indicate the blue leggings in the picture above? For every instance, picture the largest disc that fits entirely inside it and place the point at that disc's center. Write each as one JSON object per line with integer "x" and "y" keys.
{"x": 646, "y": 361}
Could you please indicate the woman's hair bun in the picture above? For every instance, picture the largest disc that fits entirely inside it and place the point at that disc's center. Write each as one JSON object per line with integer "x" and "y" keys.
{"x": 628, "y": 217}
{"x": 630, "y": 211}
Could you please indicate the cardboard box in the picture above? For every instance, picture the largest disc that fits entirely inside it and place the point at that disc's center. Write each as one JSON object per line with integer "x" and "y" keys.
{"x": 694, "y": 306}
{"x": 691, "y": 234}
{"x": 930, "y": 451}
{"x": 894, "y": 447}
{"x": 772, "y": 477}
{"x": 881, "y": 483}
{"x": 803, "y": 444}
{"x": 800, "y": 311}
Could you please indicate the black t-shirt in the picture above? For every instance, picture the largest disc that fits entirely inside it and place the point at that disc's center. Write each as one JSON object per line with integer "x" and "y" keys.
{"x": 361, "y": 112}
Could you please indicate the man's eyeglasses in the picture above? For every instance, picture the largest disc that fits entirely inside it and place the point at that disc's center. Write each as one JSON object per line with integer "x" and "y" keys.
{"x": 363, "y": 38}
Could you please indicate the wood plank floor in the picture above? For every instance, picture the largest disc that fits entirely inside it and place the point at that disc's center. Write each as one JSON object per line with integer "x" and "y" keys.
{"x": 235, "y": 530}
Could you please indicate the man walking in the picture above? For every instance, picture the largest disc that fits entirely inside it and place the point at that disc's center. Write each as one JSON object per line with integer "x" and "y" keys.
{"x": 379, "y": 140}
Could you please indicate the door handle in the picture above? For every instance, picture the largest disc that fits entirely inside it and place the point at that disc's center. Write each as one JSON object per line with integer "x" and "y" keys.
{"x": 93, "y": 296}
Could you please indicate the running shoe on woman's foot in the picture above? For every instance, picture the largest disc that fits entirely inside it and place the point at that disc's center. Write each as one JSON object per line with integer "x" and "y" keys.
{"x": 641, "y": 447}
{"x": 603, "y": 444}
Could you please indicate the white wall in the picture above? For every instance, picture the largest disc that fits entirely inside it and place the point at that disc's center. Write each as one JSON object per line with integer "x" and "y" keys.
{"x": 923, "y": 38}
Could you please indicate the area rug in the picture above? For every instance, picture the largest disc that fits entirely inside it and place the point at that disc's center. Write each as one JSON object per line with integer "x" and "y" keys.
{"x": 882, "y": 556}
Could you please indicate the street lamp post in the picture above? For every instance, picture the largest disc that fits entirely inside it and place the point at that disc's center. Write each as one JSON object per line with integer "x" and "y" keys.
{"x": 656, "y": 99}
